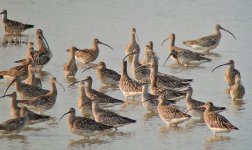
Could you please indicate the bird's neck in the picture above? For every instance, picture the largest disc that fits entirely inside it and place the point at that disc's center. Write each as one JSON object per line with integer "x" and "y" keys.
{"x": 13, "y": 104}
{"x": 135, "y": 61}
{"x": 145, "y": 93}
{"x": 4, "y": 18}
{"x": 188, "y": 96}
{"x": 95, "y": 47}
{"x": 53, "y": 88}
{"x": 217, "y": 32}
{"x": 153, "y": 81}
{"x": 70, "y": 120}
{"x": 133, "y": 38}
{"x": 82, "y": 94}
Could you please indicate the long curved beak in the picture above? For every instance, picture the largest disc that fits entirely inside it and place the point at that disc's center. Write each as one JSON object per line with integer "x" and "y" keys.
{"x": 64, "y": 115}
{"x": 89, "y": 68}
{"x": 5, "y": 95}
{"x": 106, "y": 45}
{"x": 9, "y": 86}
{"x": 129, "y": 55}
{"x": 61, "y": 85}
{"x": 220, "y": 66}
{"x": 164, "y": 41}
{"x": 146, "y": 100}
{"x": 45, "y": 40}
{"x": 85, "y": 103}
{"x": 76, "y": 82}
{"x": 228, "y": 32}
{"x": 167, "y": 59}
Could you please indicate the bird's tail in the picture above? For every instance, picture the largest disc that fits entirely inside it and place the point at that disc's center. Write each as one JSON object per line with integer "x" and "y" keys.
{"x": 20, "y": 61}
{"x": 28, "y": 26}
{"x": 206, "y": 59}
{"x": 22, "y": 101}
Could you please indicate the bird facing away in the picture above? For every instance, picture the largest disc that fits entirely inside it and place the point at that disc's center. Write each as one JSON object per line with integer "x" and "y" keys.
{"x": 132, "y": 44}
{"x": 183, "y": 56}
{"x": 89, "y": 55}
{"x": 140, "y": 72}
{"x": 82, "y": 126}
{"x": 230, "y": 72}
{"x": 83, "y": 103}
{"x": 44, "y": 53}
{"x": 26, "y": 91}
{"x": 216, "y": 122}
{"x": 13, "y": 27}
{"x": 104, "y": 99}
{"x": 237, "y": 90}
{"x": 70, "y": 68}
{"x": 207, "y": 43}
{"x": 166, "y": 92}
{"x": 150, "y": 101}
{"x": 32, "y": 79}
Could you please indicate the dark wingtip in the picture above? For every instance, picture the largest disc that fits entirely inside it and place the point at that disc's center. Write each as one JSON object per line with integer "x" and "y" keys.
{"x": 223, "y": 108}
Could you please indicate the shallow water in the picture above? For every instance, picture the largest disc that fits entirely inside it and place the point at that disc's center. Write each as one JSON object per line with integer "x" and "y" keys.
{"x": 66, "y": 23}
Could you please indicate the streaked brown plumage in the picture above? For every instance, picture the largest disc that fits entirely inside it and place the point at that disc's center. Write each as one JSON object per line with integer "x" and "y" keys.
{"x": 103, "y": 98}
{"x": 83, "y": 126}
{"x": 207, "y": 43}
{"x": 169, "y": 114}
{"x": 194, "y": 106}
{"x": 237, "y": 90}
{"x": 44, "y": 54}
{"x": 106, "y": 76}
{"x": 44, "y": 102}
{"x": 13, "y": 27}
{"x": 70, "y": 68}
{"x": 31, "y": 79}
{"x": 183, "y": 56}
{"x": 26, "y": 91}
{"x": 89, "y": 55}
{"x": 216, "y": 122}
{"x": 108, "y": 117}
{"x": 150, "y": 101}
{"x": 128, "y": 86}
{"x": 15, "y": 125}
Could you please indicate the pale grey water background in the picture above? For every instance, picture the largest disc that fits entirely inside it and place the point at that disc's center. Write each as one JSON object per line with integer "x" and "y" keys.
{"x": 66, "y": 23}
